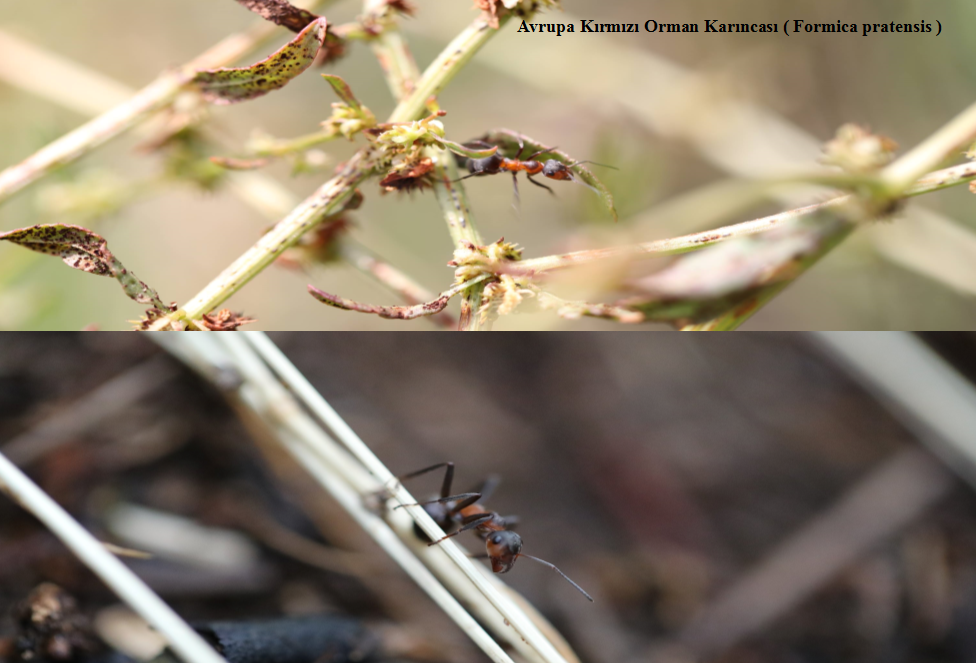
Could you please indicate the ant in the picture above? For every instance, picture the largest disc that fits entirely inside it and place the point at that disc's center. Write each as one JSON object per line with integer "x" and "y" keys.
{"x": 461, "y": 512}
{"x": 553, "y": 169}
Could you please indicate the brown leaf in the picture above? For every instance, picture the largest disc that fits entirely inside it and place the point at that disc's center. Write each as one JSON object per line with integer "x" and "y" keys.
{"x": 281, "y": 13}
{"x": 231, "y": 85}
{"x": 413, "y": 178}
{"x": 225, "y": 320}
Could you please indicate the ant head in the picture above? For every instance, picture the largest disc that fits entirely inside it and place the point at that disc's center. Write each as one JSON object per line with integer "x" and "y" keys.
{"x": 556, "y": 170}
{"x": 503, "y": 549}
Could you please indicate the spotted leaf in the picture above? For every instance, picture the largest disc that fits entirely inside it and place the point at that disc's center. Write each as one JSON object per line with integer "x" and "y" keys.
{"x": 82, "y": 249}
{"x": 231, "y": 85}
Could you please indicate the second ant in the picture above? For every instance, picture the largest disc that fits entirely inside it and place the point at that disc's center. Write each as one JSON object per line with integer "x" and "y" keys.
{"x": 462, "y": 512}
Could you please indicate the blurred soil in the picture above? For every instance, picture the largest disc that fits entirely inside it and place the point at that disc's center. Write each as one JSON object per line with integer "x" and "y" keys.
{"x": 663, "y": 475}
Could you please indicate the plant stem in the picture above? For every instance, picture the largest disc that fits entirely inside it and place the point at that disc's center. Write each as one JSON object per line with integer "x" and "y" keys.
{"x": 184, "y": 640}
{"x": 110, "y": 124}
{"x": 399, "y": 67}
{"x": 401, "y": 72}
{"x": 460, "y": 224}
{"x": 940, "y": 179}
{"x": 901, "y": 174}
{"x": 285, "y": 233}
{"x": 440, "y": 72}
{"x": 365, "y": 261}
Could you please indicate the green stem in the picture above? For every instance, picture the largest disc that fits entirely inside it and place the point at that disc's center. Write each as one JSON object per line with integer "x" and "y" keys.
{"x": 284, "y": 147}
{"x": 960, "y": 131}
{"x": 327, "y": 200}
{"x": 440, "y": 72}
{"x": 399, "y": 67}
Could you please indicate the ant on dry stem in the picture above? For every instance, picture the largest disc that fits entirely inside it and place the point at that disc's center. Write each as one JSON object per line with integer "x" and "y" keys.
{"x": 461, "y": 512}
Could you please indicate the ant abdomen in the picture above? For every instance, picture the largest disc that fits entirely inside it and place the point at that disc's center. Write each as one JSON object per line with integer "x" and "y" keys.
{"x": 485, "y": 166}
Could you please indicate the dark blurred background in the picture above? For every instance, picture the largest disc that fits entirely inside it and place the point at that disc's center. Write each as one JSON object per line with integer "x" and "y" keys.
{"x": 639, "y": 102}
{"x": 737, "y": 500}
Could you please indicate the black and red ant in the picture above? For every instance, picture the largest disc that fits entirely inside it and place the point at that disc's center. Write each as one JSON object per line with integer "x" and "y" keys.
{"x": 551, "y": 168}
{"x": 460, "y": 513}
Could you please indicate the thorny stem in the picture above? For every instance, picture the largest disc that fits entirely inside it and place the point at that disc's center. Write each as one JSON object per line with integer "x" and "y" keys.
{"x": 151, "y": 98}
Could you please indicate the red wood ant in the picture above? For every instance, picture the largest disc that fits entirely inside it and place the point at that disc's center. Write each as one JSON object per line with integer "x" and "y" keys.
{"x": 461, "y": 512}
{"x": 551, "y": 168}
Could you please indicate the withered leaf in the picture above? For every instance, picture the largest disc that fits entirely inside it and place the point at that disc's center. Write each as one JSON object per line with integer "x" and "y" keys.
{"x": 231, "y": 85}
{"x": 82, "y": 249}
{"x": 225, "y": 320}
{"x": 281, "y": 12}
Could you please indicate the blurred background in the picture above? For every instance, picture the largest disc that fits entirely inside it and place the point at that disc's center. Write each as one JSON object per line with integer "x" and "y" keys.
{"x": 653, "y": 105}
{"x": 734, "y": 500}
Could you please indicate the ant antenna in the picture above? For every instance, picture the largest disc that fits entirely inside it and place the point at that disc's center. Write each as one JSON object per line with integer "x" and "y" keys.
{"x": 553, "y": 567}
{"x": 576, "y": 163}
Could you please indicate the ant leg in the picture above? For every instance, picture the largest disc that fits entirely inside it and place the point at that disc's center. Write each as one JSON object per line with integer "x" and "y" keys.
{"x": 548, "y": 149}
{"x": 521, "y": 147}
{"x": 448, "y": 480}
{"x": 449, "y": 465}
{"x": 541, "y": 184}
{"x": 466, "y": 177}
{"x": 400, "y": 479}
{"x": 508, "y": 522}
{"x": 516, "y": 199}
{"x": 477, "y": 519}
{"x": 467, "y": 499}
{"x": 488, "y": 486}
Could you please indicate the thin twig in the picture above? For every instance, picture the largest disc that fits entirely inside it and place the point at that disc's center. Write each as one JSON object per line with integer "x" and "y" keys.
{"x": 181, "y": 638}
{"x": 421, "y": 310}
{"x": 262, "y": 193}
{"x": 365, "y": 261}
{"x": 928, "y": 154}
{"x": 93, "y": 408}
{"x": 889, "y": 498}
